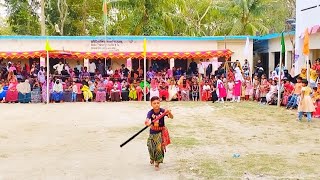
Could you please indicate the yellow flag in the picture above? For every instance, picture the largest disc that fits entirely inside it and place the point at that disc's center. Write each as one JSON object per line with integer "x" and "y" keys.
{"x": 48, "y": 47}
{"x": 145, "y": 47}
{"x": 306, "y": 49}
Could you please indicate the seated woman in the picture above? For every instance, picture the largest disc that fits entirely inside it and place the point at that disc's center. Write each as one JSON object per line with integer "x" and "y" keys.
{"x": 163, "y": 91}
{"x": 154, "y": 88}
{"x": 3, "y": 91}
{"x": 57, "y": 93}
{"x": 173, "y": 91}
{"x": 288, "y": 88}
{"x": 140, "y": 91}
{"x": 272, "y": 94}
{"x": 124, "y": 91}
{"x": 185, "y": 91}
{"x": 36, "y": 92}
{"x": 67, "y": 90}
{"x": 115, "y": 93}
{"x": 109, "y": 87}
{"x": 87, "y": 94}
{"x": 92, "y": 88}
{"x": 24, "y": 90}
{"x": 101, "y": 92}
{"x": 206, "y": 92}
{"x": 133, "y": 91}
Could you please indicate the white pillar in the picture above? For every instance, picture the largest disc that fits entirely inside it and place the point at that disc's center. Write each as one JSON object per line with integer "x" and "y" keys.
{"x": 86, "y": 63}
{"x": 171, "y": 63}
{"x": 286, "y": 59}
{"x": 271, "y": 62}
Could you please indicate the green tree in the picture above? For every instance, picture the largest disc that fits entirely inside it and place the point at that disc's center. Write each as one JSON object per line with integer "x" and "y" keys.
{"x": 23, "y": 18}
{"x": 5, "y": 28}
{"x": 152, "y": 17}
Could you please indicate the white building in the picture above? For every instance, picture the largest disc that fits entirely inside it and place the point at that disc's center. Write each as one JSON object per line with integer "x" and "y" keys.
{"x": 118, "y": 49}
{"x": 307, "y": 17}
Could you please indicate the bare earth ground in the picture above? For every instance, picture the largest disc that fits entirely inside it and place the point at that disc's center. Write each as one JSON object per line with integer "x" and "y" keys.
{"x": 81, "y": 141}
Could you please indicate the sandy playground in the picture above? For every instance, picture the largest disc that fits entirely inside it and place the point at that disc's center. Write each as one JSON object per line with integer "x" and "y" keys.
{"x": 81, "y": 141}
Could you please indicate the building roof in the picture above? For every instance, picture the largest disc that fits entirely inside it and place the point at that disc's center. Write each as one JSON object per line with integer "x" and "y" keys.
{"x": 154, "y": 38}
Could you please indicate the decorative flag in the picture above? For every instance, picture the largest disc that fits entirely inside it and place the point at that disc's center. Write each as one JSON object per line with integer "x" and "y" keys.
{"x": 246, "y": 48}
{"x": 47, "y": 46}
{"x": 306, "y": 49}
{"x": 283, "y": 44}
{"x": 105, "y": 11}
{"x": 145, "y": 47}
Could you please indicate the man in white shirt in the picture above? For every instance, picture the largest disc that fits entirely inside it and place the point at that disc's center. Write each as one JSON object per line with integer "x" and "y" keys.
{"x": 92, "y": 68}
{"x": 79, "y": 66}
{"x": 58, "y": 67}
{"x": 109, "y": 71}
{"x": 201, "y": 68}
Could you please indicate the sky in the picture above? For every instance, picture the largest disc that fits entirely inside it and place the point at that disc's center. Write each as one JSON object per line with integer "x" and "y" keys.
{"x": 2, "y": 9}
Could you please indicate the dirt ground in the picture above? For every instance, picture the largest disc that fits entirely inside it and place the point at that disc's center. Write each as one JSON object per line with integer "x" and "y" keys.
{"x": 81, "y": 141}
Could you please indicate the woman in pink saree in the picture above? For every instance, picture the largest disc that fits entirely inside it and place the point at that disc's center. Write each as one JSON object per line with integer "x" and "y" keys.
{"x": 12, "y": 93}
{"x": 101, "y": 92}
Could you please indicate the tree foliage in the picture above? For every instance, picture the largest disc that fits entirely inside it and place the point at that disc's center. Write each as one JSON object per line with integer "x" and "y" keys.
{"x": 152, "y": 17}
{"x": 23, "y": 18}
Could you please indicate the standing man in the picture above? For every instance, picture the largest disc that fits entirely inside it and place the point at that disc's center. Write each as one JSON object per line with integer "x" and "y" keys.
{"x": 92, "y": 68}
{"x": 101, "y": 68}
{"x": 58, "y": 67}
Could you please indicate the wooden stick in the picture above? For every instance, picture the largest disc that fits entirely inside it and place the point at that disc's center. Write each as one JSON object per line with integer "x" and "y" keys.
{"x": 135, "y": 135}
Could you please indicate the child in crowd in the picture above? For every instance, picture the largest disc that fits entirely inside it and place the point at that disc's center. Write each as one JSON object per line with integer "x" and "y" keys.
{"x": 305, "y": 104}
{"x": 264, "y": 87}
{"x": 221, "y": 90}
{"x": 195, "y": 91}
{"x": 256, "y": 87}
{"x": 249, "y": 88}
{"x": 230, "y": 89}
{"x": 295, "y": 94}
{"x": 74, "y": 92}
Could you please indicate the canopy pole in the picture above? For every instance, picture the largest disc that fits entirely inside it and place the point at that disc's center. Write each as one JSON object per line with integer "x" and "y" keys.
{"x": 145, "y": 77}
{"x": 48, "y": 79}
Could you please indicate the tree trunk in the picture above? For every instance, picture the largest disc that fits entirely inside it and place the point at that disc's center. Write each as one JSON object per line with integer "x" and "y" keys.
{"x": 43, "y": 19}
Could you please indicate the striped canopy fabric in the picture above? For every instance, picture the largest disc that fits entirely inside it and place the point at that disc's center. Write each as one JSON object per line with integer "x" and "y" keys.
{"x": 116, "y": 55}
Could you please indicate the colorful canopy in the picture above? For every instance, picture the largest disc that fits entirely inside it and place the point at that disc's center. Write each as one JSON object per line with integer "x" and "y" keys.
{"x": 117, "y": 55}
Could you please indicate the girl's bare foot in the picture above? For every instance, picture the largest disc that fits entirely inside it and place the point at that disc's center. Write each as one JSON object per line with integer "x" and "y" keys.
{"x": 156, "y": 166}
{"x": 151, "y": 162}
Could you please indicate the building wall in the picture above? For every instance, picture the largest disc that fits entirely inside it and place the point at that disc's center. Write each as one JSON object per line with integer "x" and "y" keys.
{"x": 306, "y": 19}
{"x": 16, "y": 45}
{"x": 23, "y": 45}
{"x": 275, "y": 47}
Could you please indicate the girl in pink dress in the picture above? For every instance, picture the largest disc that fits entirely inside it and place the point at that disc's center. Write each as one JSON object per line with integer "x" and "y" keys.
{"x": 238, "y": 78}
{"x": 221, "y": 90}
